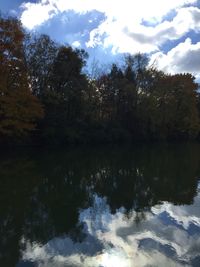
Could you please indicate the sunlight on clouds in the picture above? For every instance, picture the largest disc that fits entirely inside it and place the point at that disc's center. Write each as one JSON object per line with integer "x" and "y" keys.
{"x": 123, "y": 30}
{"x": 182, "y": 58}
{"x": 36, "y": 13}
{"x": 181, "y": 24}
{"x": 76, "y": 44}
{"x": 187, "y": 20}
{"x": 127, "y": 12}
{"x": 144, "y": 39}
{"x": 124, "y": 243}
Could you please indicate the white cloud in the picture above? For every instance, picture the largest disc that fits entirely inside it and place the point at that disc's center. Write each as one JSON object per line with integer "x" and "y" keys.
{"x": 182, "y": 58}
{"x": 124, "y": 37}
{"x": 76, "y": 44}
{"x": 125, "y": 243}
{"x": 35, "y": 14}
{"x": 186, "y": 19}
{"x": 123, "y": 29}
{"x": 120, "y": 15}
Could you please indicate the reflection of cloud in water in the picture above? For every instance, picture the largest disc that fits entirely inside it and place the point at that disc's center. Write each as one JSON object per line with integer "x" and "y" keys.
{"x": 184, "y": 215}
{"x": 163, "y": 238}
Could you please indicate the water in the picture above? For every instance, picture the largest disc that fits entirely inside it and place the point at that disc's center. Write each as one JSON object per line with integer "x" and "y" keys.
{"x": 100, "y": 207}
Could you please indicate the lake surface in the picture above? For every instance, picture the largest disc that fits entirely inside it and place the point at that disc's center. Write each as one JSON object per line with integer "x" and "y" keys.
{"x": 100, "y": 207}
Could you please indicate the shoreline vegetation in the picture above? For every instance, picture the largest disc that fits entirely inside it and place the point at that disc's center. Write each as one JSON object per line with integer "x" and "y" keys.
{"x": 47, "y": 99}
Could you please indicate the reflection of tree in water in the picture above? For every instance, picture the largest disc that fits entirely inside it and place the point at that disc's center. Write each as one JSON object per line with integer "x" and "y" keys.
{"x": 17, "y": 178}
{"x": 142, "y": 178}
{"x": 42, "y": 193}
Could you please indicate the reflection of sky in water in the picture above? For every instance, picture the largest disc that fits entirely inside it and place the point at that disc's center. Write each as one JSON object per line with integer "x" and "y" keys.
{"x": 168, "y": 235}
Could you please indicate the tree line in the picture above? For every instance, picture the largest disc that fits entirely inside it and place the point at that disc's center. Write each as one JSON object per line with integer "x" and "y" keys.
{"x": 47, "y": 98}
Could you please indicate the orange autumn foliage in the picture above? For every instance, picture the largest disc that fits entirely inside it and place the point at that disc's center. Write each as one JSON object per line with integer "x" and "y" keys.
{"x": 19, "y": 109}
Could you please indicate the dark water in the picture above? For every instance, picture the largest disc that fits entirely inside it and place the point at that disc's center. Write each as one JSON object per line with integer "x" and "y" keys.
{"x": 105, "y": 207}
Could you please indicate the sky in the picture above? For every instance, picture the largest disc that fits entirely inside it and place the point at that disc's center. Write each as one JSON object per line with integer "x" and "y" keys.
{"x": 167, "y": 31}
{"x": 168, "y": 235}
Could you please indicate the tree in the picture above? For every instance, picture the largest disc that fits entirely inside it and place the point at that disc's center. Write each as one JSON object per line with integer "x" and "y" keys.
{"x": 40, "y": 53}
{"x": 19, "y": 109}
{"x": 174, "y": 113}
{"x": 64, "y": 103}
{"x": 185, "y": 119}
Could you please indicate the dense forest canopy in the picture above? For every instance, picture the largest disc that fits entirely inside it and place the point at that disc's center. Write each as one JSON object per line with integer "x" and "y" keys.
{"x": 46, "y": 97}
